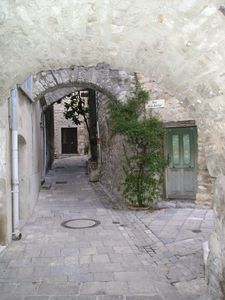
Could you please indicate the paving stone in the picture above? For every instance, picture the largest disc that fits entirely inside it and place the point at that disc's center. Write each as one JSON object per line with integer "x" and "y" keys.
{"x": 58, "y": 289}
{"x": 115, "y": 257}
{"x": 117, "y": 288}
{"x": 131, "y": 276}
{"x": 9, "y": 274}
{"x": 142, "y": 287}
{"x": 156, "y": 297}
{"x": 36, "y": 298}
{"x": 32, "y": 253}
{"x": 27, "y": 288}
{"x": 193, "y": 287}
{"x": 3, "y": 265}
{"x": 105, "y": 267}
{"x": 19, "y": 262}
{"x": 110, "y": 243}
{"x": 104, "y": 276}
{"x": 104, "y": 288}
{"x": 126, "y": 258}
{"x": 167, "y": 291}
{"x": 105, "y": 250}
{"x": 79, "y": 277}
{"x": 40, "y": 272}
{"x": 86, "y": 297}
{"x": 97, "y": 244}
{"x": 101, "y": 258}
{"x": 69, "y": 251}
{"x": 72, "y": 260}
{"x": 8, "y": 297}
{"x": 126, "y": 267}
{"x": 54, "y": 278}
{"x": 7, "y": 288}
{"x": 85, "y": 259}
{"x": 63, "y": 270}
{"x": 113, "y": 297}
{"x": 88, "y": 251}
{"x": 26, "y": 272}
{"x": 96, "y": 288}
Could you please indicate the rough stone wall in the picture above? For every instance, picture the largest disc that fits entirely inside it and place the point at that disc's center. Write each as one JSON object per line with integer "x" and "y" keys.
{"x": 215, "y": 157}
{"x": 61, "y": 122}
{"x": 110, "y": 150}
{"x": 216, "y": 261}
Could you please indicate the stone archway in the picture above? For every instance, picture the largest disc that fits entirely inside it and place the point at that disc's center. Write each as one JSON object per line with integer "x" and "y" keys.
{"x": 53, "y": 85}
{"x": 114, "y": 84}
{"x": 50, "y": 86}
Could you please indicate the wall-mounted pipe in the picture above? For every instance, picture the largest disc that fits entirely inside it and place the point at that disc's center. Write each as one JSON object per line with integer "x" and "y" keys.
{"x": 98, "y": 131}
{"x": 99, "y": 144}
{"x": 16, "y": 235}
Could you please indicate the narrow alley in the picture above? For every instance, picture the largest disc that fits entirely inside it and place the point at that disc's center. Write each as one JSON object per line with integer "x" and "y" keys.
{"x": 126, "y": 254}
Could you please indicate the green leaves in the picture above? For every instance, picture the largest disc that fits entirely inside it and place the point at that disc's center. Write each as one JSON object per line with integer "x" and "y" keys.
{"x": 75, "y": 107}
{"x": 124, "y": 116}
{"x": 144, "y": 136}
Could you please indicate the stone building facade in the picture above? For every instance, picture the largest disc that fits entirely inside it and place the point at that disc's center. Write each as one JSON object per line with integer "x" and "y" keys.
{"x": 178, "y": 46}
{"x": 79, "y": 136}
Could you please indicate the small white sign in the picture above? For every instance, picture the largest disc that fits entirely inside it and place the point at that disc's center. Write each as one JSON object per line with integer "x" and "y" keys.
{"x": 158, "y": 103}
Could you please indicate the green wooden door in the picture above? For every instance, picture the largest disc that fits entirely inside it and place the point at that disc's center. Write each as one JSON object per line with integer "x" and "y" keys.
{"x": 181, "y": 174}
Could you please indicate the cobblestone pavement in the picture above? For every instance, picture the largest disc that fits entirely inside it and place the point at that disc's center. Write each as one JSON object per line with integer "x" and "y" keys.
{"x": 130, "y": 255}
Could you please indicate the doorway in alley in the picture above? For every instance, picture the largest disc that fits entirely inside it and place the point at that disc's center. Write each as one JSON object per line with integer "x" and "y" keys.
{"x": 69, "y": 140}
{"x": 181, "y": 174}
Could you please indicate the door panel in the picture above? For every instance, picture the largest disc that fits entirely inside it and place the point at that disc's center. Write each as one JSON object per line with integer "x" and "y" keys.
{"x": 69, "y": 140}
{"x": 181, "y": 175}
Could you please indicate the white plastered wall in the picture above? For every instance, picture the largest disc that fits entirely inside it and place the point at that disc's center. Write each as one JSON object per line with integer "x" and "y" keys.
{"x": 30, "y": 154}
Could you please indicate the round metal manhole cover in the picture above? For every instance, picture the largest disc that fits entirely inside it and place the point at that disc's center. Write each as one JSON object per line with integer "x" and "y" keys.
{"x": 80, "y": 223}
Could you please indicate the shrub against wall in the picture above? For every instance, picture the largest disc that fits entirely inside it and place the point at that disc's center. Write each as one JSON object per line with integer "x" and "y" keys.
{"x": 144, "y": 160}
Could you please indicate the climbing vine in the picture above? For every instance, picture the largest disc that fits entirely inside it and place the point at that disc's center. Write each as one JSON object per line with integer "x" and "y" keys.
{"x": 144, "y": 159}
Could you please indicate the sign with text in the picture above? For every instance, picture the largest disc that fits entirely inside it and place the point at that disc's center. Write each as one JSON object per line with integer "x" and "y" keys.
{"x": 158, "y": 103}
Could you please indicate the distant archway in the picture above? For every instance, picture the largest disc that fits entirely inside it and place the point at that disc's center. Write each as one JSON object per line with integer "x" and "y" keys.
{"x": 50, "y": 86}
